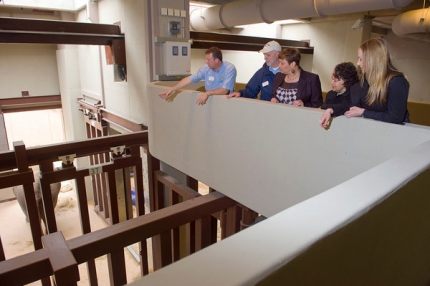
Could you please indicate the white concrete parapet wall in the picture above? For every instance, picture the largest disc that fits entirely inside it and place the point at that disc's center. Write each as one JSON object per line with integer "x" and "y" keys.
{"x": 268, "y": 156}
{"x": 347, "y": 206}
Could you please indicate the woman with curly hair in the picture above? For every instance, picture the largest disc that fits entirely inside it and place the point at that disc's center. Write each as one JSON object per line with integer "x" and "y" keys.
{"x": 338, "y": 100}
{"x": 382, "y": 93}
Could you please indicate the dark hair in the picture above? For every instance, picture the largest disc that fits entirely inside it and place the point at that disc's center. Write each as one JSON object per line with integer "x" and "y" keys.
{"x": 291, "y": 55}
{"x": 347, "y": 72}
{"x": 216, "y": 53}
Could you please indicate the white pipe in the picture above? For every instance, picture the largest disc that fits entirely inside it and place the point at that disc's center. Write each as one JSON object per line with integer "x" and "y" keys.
{"x": 413, "y": 24}
{"x": 247, "y": 12}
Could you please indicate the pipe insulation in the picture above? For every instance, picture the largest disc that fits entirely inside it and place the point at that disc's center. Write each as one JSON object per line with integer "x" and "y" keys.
{"x": 413, "y": 24}
{"x": 246, "y": 12}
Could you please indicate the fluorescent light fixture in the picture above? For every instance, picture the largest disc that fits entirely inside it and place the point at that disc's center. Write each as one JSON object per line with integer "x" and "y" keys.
{"x": 200, "y": 5}
{"x": 292, "y": 21}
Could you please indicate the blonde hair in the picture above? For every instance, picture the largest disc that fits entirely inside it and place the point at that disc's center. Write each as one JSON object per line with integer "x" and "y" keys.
{"x": 378, "y": 69}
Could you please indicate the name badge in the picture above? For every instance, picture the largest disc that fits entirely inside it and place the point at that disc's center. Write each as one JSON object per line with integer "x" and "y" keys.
{"x": 265, "y": 83}
{"x": 211, "y": 78}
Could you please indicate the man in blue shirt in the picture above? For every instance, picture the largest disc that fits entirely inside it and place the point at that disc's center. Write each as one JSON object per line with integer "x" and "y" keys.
{"x": 262, "y": 80}
{"x": 219, "y": 77}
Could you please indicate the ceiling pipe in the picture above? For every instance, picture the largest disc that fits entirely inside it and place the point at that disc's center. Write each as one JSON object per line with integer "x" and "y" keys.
{"x": 246, "y": 12}
{"x": 413, "y": 24}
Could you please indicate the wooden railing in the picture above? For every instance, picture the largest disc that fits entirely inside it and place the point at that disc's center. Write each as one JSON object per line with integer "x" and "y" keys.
{"x": 206, "y": 219}
{"x": 16, "y": 171}
{"x": 111, "y": 240}
{"x": 199, "y": 233}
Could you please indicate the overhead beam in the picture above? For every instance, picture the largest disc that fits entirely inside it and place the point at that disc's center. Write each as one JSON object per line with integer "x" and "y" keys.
{"x": 204, "y": 40}
{"x": 19, "y": 24}
{"x": 30, "y": 103}
{"x": 14, "y": 30}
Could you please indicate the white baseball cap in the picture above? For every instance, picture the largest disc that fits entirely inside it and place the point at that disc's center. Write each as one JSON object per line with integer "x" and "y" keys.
{"x": 271, "y": 46}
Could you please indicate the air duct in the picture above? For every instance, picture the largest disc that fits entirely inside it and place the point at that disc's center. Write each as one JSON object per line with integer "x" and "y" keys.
{"x": 413, "y": 24}
{"x": 245, "y": 12}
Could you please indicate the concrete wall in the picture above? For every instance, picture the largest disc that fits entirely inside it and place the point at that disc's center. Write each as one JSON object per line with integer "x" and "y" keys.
{"x": 412, "y": 58}
{"x": 126, "y": 98}
{"x": 31, "y": 68}
{"x": 276, "y": 148}
{"x": 355, "y": 197}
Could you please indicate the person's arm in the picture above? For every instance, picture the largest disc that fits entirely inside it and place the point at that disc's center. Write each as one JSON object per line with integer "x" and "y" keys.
{"x": 338, "y": 104}
{"x": 234, "y": 94}
{"x": 340, "y": 108}
{"x": 325, "y": 118}
{"x": 182, "y": 83}
{"x": 202, "y": 99}
{"x": 253, "y": 86}
{"x": 358, "y": 97}
{"x": 397, "y": 100}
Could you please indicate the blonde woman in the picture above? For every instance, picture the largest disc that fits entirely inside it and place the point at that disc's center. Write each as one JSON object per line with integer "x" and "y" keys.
{"x": 382, "y": 93}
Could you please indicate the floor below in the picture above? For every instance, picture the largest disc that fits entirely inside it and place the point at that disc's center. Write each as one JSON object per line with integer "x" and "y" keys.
{"x": 16, "y": 236}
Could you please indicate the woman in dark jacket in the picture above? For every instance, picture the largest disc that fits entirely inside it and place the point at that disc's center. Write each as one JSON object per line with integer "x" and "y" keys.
{"x": 293, "y": 85}
{"x": 382, "y": 93}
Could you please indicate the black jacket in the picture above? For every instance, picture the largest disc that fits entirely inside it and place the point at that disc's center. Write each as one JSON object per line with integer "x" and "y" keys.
{"x": 394, "y": 110}
{"x": 309, "y": 89}
{"x": 339, "y": 103}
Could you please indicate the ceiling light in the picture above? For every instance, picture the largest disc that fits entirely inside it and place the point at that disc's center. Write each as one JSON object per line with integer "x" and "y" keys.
{"x": 292, "y": 21}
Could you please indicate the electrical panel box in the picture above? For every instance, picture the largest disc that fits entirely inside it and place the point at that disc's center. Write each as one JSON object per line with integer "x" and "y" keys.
{"x": 174, "y": 28}
{"x": 176, "y": 58}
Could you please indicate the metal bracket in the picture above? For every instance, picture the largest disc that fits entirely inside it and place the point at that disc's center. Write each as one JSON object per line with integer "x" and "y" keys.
{"x": 67, "y": 159}
{"x": 118, "y": 150}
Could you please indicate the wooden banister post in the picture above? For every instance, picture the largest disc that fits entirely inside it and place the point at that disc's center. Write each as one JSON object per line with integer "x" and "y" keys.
{"x": 62, "y": 261}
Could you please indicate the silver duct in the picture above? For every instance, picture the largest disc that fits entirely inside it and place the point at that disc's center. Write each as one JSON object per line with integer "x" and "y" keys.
{"x": 413, "y": 24}
{"x": 247, "y": 12}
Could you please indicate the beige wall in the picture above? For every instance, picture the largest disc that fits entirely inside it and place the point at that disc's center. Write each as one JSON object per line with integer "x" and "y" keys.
{"x": 31, "y": 68}
{"x": 413, "y": 58}
{"x": 97, "y": 78}
{"x": 125, "y": 98}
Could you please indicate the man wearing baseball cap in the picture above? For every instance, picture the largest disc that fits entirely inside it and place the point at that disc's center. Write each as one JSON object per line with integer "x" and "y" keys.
{"x": 262, "y": 80}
